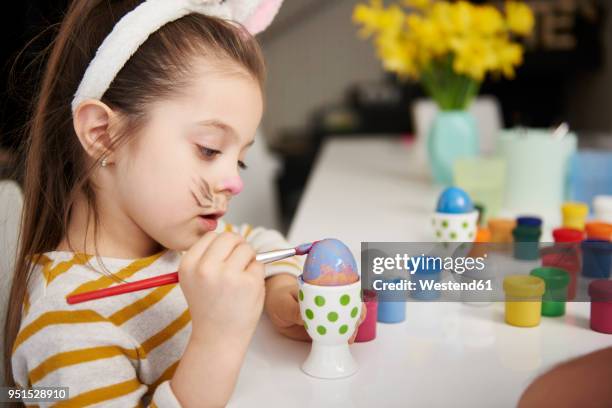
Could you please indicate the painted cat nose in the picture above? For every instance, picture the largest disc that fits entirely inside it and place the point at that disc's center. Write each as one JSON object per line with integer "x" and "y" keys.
{"x": 234, "y": 185}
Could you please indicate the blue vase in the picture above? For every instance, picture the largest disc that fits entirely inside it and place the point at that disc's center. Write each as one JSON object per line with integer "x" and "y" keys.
{"x": 452, "y": 135}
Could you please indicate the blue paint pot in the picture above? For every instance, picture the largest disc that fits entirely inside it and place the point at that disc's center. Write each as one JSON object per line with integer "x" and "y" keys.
{"x": 596, "y": 258}
{"x": 428, "y": 273}
{"x": 529, "y": 221}
{"x": 391, "y": 305}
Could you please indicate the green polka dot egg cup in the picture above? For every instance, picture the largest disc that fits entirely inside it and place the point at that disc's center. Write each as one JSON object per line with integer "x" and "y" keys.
{"x": 448, "y": 227}
{"x": 331, "y": 315}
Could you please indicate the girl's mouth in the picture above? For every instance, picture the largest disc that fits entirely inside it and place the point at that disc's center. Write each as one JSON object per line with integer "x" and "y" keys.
{"x": 209, "y": 221}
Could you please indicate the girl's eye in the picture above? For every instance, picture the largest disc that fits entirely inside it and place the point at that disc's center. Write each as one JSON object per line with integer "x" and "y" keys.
{"x": 212, "y": 153}
{"x": 209, "y": 153}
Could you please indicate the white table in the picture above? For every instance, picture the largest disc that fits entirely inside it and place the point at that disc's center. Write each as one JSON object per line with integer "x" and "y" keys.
{"x": 443, "y": 354}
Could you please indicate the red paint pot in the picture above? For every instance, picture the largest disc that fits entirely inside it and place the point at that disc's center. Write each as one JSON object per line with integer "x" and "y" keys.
{"x": 600, "y": 291}
{"x": 567, "y": 235}
{"x": 367, "y": 328}
{"x": 565, "y": 256}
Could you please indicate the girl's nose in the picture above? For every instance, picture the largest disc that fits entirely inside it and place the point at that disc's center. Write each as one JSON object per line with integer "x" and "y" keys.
{"x": 233, "y": 185}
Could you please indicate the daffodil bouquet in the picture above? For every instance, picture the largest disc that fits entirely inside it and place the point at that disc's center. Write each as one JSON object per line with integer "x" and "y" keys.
{"x": 449, "y": 46}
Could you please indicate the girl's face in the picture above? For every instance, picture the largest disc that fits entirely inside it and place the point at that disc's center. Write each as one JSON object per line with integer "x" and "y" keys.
{"x": 186, "y": 161}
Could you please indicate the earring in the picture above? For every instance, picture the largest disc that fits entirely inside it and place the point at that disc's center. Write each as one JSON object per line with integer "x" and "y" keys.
{"x": 104, "y": 163}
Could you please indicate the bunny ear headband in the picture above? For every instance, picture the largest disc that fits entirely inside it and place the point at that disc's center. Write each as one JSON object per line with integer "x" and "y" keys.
{"x": 133, "y": 29}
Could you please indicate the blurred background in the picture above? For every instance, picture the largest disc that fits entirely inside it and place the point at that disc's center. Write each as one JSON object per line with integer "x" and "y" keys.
{"x": 325, "y": 81}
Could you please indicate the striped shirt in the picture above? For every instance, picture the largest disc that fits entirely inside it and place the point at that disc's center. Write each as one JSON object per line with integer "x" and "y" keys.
{"x": 118, "y": 351}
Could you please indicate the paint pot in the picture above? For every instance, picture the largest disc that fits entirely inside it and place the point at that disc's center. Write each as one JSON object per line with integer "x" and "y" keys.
{"x": 567, "y": 235}
{"x": 424, "y": 277}
{"x": 481, "y": 245}
{"x": 565, "y": 254}
{"x": 483, "y": 234}
{"x": 599, "y": 230}
{"x": 501, "y": 230}
{"x": 367, "y": 328}
{"x": 555, "y": 292}
{"x": 391, "y": 304}
{"x": 574, "y": 214}
{"x": 602, "y": 207}
{"x": 600, "y": 292}
{"x": 526, "y": 242}
{"x": 529, "y": 221}
{"x": 523, "y": 300}
{"x": 596, "y": 258}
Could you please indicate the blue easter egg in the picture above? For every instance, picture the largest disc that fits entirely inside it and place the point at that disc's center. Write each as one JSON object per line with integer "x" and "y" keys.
{"x": 454, "y": 200}
{"x": 330, "y": 263}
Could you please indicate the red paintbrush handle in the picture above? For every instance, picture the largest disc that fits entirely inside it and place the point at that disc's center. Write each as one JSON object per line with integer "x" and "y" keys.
{"x": 160, "y": 280}
{"x": 170, "y": 278}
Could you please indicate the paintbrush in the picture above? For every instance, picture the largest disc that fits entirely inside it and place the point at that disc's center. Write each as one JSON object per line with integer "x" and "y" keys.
{"x": 170, "y": 278}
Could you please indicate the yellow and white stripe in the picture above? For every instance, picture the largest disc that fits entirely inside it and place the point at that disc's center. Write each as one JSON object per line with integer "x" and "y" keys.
{"x": 118, "y": 351}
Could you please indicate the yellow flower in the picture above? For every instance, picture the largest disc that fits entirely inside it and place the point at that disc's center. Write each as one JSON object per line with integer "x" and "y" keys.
{"x": 509, "y": 56}
{"x": 397, "y": 56}
{"x": 368, "y": 16}
{"x": 428, "y": 35}
{"x": 473, "y": 57}
{"x": 377, "y": 19}
{"x": 473, "y": 39}
{"x": 392, "y": 20}
{"x": 488, "y": 20}
{"x": 441, "y": 15}
{"x": 461, "y": 16}
{"x": 520, "y": 18}
{"x": 417, "y": 4}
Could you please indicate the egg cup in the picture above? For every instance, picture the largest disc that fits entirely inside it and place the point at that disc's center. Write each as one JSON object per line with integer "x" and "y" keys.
{"x": 331, "y": 315}
{"x": 448, "y": 227}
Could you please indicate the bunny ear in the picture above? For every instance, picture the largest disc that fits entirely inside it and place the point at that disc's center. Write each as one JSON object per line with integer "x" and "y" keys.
{"x": 262, "y": 16}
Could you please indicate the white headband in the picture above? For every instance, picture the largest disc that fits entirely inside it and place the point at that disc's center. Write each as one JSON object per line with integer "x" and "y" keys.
{"x": 133, "y": 29}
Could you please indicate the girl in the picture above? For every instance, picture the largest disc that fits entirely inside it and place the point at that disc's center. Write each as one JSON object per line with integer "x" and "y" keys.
{"x": 133, "y": 155}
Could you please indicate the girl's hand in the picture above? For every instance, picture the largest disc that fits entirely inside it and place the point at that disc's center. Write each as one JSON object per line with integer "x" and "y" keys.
{"x": 282, "y": 307}
{"x": 224, "y": 288}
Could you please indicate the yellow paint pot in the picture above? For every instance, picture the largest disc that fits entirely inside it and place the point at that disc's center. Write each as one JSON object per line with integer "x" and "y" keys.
{"x": 574, "y": 214}
{"x": 523, "y": 300}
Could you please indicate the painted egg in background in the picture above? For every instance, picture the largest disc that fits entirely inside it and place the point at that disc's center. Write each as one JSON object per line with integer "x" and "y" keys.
{"x": 330, "y": 263}
{"x": 454, "y": 200}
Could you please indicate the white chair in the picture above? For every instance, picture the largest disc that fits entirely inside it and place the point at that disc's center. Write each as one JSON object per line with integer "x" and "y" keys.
{"x": 11, "y": 204}
{"x": 257, "y": 204}
{"x": 486, "y": 110}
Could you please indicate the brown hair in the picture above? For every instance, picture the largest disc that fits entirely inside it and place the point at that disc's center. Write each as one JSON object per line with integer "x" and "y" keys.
{"x": 55, "y": 166}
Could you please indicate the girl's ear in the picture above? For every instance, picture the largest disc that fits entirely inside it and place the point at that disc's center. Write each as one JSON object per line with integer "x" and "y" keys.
{"x": 92, "y": 121}
{"x": 262, "y": 16}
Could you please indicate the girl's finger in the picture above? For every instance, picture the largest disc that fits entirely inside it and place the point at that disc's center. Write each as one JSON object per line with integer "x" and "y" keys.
{"x": 294, "y": 305}
{"x": 293, "y": 313}
{"x": 364, "y": 313}
{"x": 361, "y": 319}
{"x": 241, "y": 257}
{"x": 220, "y": 249}
{"x": 288, "y": 312}
{"x": 295, "y": 332}
{"x": 191, "y": 257}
